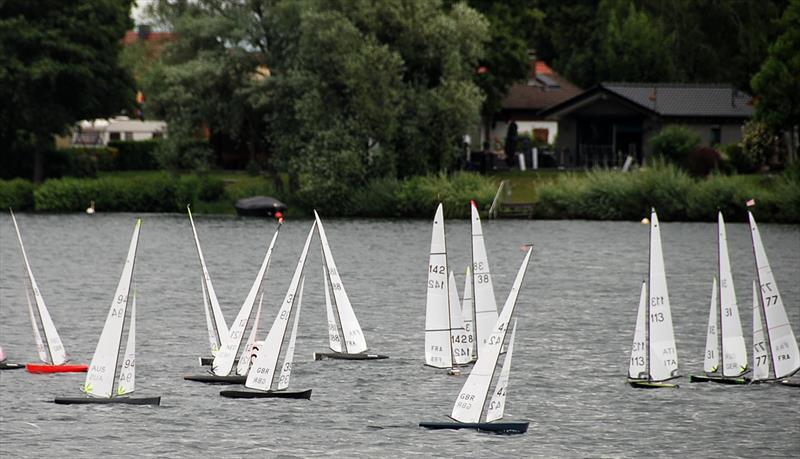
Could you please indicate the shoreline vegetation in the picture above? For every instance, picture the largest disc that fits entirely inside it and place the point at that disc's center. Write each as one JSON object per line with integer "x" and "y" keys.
{"x": 598, "y": 194}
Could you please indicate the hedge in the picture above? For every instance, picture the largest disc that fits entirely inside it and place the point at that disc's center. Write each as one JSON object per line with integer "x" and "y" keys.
{"x": 16, "y": 194}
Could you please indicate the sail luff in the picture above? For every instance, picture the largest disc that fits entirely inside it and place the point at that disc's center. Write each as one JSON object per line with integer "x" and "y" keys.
{"x": 101, "y": 376}
{"x": 711, "y": 358}
{"x": 498, "y": 402}
{"x": 733, "y": 351}
{"x": 221, "y": 327}
{"x": 484, "y": 298}
{"x": 213, "y": 336}
{"x": 637, "y": 369}
{"x": 663, "y": 353}
{"x": 286, "y": 368}
{"x": 783, "y": 344}
{"x": 470, "y": 401}
{"x": 41, "y": 349}
{"x": 262, "y": 372}
{"x": 437, "y": 319}
{"x": 760, "y": 346}
{"x": 334, "y": 337}
{"x": 127, "y": 374}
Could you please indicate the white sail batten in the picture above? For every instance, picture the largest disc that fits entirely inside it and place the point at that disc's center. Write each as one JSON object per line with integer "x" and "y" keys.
{"x": 56, "y": 351}
{"x": 100, "y": 378}
{"x": 498, "y": 402}
{"x": 458, "y": 334}
{"x": 127, "y": 372}
{"x": 760, "y": 348}
{"x": 247, "y": 353}
{"x": 223, "y": 361}
{"x": 353, "y": 335}
{"x": 733, "y": 349}
{"x": 485, "y": 302}
{"x": 638, "y": 365}
{"x": 286, "y": 369}
{"x": 468, "y": 313}
{"x": 663, "y": 354}
{"x": 471, "y": 399}
{"x": 437, "y": 319}
{"x": 711, "y": 358}
{"x": 262, "y": 372}
{"x": 783, "y": 344}
{"x": 220, "y": 328}
{"x": 334, "y": 339}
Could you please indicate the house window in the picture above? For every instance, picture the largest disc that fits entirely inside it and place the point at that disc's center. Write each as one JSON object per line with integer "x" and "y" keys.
{"x": 716, "y": 136}
{"x": 129, "y": 136}
{"x": 113, "y": 136}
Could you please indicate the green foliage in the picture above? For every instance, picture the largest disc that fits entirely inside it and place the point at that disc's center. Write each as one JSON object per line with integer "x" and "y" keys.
{"x": 674, "y": 143}
{"x": 702, "y": 161}
{"x": 16, "y": 194}
{"x": 739, "y": 159}
{"x": 182, "y": 151}
{"x": 758, "y": 142}
{"x": 134, "y": 155}
{"x": 379, "y": 198}
{"x": 420, "y": 195}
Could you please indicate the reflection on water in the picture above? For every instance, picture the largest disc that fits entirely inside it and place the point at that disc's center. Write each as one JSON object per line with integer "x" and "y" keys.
{"x": 576, "y": 316}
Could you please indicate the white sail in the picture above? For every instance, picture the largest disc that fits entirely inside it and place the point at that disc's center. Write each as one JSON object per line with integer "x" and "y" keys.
{"x": 354, "y": 342}
{"x": 498, "y": 402}
{"x": 127, "y": 372}
{"x": 638, "y": 366}
{"x": 663, "y": 357}
{"x": 783, "y": 345}
{"x": 213, "y": 338}
{"x": 58, "y": 355}
{"x": 220, "y": 327}
{"x": 437, "y": 315}
{"x": 734, "y": 350}
{"x": 333, "y": 328}
{"x": 468, "y": 313}
{"x": 711, "y": 358}
{"x": 37, "y": 337}
{"x": 247, "y": 353}
{"x": 286, "y": 369}
{"x": 100, "y": 378}
{"x": 760, "y": 349}
{"x": 485, "y": 303}
{"x": 223, "y": 361}
{"x": 262, "y": 372}
{"x": 458, "y": 334}
{"x": 471, "y": 399}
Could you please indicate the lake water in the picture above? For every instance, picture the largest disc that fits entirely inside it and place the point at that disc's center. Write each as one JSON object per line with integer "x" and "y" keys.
{"x": 576, "y": 315}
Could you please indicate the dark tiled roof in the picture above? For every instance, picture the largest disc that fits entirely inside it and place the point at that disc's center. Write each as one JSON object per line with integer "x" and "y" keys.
{"x": 537, "y": 94}
{"x": 686, "y": 99}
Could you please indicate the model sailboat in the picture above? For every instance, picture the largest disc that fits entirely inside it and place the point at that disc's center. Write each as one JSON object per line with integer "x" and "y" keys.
{"x": 261, "y": 378}
{"x": 780, "y": 343}
{"x": 654, "y": 357}
{"x": 443, "y": 320}
{"x": 471, "y": 404}
{"x": 51, "y": 350}
{"x": 485, "y": 305}
{"x": 222, "y": 370}
{"x": 726, "y": 353}
{"x": 350, "y": 344}
{"x": 6, "y": 365}
{"x": 103, "y": 372}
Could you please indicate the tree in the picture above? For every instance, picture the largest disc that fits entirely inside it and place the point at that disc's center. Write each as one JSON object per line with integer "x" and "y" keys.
{"x": 58, "y": 65}
{"x": 777, "y": 84}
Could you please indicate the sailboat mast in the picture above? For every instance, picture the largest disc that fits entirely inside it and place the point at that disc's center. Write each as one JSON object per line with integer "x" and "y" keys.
{"x": 338, "y": 317}
{"x": 472, "y": 287}
{"x": 447, "y": 295}
{"x": 720, "y": 341}
{"x": 763, "y": 310}
{"x": 647, "y": 306}
{"x": 121, "y": 332}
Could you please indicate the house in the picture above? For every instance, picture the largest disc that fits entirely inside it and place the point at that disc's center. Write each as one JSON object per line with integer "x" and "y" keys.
{"x": 98, "y": 133}
{"x": 603, "y": 125}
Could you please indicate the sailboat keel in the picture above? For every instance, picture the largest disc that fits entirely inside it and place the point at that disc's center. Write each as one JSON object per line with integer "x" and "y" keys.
{"x": 494, "y": 427}
{"x": 301, "y": 394}
{"x": 345, "y": 356}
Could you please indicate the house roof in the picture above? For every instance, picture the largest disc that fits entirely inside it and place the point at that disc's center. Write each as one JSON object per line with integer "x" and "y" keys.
{"x": 543, "y": 89}
{"x": 667, "y": 99}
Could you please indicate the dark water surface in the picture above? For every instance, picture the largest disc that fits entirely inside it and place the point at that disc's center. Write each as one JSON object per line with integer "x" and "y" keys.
{"x": 576, "y": 317}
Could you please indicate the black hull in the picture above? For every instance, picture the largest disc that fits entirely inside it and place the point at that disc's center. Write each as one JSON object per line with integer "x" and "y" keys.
{"x": 790, "y": 383}
{"x": 302, "y": 394}
{"x": 11, "y": 366}
{"x": 107, "y": 401}
{"x": 496, "y": 427}
{"x": 214, "y": 379}
{"x": 716, "y": 379}
{"x": 651, "y": 385}
{"x": 208, "y": 361}
{"x": 345, "y": 356}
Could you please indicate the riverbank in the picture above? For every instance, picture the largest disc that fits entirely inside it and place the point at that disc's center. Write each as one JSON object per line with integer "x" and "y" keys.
{"x": 593, "y": 195}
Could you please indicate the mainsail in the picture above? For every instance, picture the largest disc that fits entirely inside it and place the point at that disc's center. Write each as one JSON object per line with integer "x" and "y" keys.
{"x": 663, "y": 354}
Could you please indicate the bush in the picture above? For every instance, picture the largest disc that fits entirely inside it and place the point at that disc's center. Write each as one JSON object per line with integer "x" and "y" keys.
{"x": 419, "y": 196}
{"x": 134, "y": 155}
{"x": 378, "y": 199}
{"x": 758, "y": 144}
{"x": 16, "y": 194}
{"x": 674, "y": 143}
{"x": 703, "y": 160}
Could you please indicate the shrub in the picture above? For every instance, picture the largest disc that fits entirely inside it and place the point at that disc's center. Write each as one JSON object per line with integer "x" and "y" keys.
{"x": 703, "y": 160}
{"x": 134, "y": 155}
{"x": 419, "y": 196}
{"x": 16, "y": 194}
{"x": 560, "y": 198}
{"x": 378, "y": 199}
{"x": 194, "y": 188}
{"x": 758, "y": 144}
{"x": 674, "y": 143}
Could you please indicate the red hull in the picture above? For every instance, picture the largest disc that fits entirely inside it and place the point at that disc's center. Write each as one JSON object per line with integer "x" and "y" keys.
{"x": 45, "y": 368}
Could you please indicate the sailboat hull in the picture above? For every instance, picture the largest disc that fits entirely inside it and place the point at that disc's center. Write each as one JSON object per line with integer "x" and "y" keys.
{"x": 46, "y": 368}
{"x": 651, "y": 384}
{"x": 155, "y": 401}
{"x": 11, "y": 366}
{"x": 214, "y": 379}
{"x": 495, "y": 427}
{"x": 345, "y": 356}
{"x": 716, "y": 379}
{"x": 302, "y": 394}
